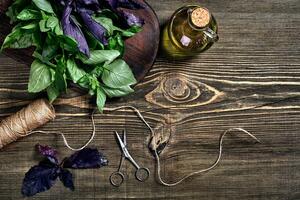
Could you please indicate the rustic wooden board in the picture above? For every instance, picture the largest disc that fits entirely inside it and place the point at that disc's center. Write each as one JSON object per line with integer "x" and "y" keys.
{"x": 140, "y": 50}
{"x": 250, "y": 79}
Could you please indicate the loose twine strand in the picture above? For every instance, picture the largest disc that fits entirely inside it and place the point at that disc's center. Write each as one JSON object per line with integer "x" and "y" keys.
{"x": 161, "y": 181}
{"x": 40, "y": 112}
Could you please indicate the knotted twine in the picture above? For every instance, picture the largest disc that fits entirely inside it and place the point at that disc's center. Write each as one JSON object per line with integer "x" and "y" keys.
{"x": 41, "y": 111}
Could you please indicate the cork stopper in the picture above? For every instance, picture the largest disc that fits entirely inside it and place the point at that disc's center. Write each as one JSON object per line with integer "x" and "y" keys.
{"x": 200, "y": 17}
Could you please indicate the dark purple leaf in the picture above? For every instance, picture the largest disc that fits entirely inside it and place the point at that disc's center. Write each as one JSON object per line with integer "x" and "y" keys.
{"x": 39, "y": 179}
{"x": 66, "y": 178}
{"x": 71, "y": 29}
{"x": 113, "y": 3}
{"x": 97, "y": 30}
{"x": 48, "y": 163}
{"x": 91, "y": 4}
{"x": 131, "y": 4}
{"x": 85, "y": 159}
{"x": 131, "y": 19}
{"x": 48, "y": 152}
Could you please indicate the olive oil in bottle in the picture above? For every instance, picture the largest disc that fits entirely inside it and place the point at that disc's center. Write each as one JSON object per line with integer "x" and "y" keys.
{"x": 192, "y": 29}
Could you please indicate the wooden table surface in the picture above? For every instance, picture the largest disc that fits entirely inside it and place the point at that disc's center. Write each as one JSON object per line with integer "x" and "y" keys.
{"x": 249, "y": 79}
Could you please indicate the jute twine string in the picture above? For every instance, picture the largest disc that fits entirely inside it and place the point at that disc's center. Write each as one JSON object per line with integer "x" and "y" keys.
{"x": 94, "y": 127}
{"x": 40, "y": 112}
{"x": 158, "y": 167}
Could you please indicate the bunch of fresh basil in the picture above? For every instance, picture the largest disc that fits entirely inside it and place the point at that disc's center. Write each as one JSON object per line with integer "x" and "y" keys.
{"x": 76, "y": 40}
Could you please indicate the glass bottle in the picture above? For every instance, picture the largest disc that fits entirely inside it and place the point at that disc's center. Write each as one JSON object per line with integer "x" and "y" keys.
{"x": 192, "y": 29}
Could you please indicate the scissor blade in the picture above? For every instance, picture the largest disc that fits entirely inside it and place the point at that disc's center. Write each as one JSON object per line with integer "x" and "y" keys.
{"x": 122, "y": 145}
{"x": 124, "y": 137}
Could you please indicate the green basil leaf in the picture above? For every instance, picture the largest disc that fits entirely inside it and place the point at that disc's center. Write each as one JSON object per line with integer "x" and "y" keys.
{"x": 37, "y": 39}
{"x": 59, "y": 85}
{"x": 19, "y": 39}
{"x": 58, "y": 30}
{"x": 101, "y": 99}
{"x": 107, "y": 23}
{"x": 99, "y": 56}
{"x": 30, "y": 26}
{"x": 116, "y": 43}
{"x": 89, "y": 82}
{"x": 68, "y": 43}
{"x": 132, "y": 31}
{"x": 52, "y": 22}
{"x": 50, "y": 48}
{"x": 117, "y": 92}
{"x": 61, "y": 64}
{"x": 93, "y": 43}
{"x": 112, "y": 43}
{"x": 43, "y": 59}
{"x": 11, "y": 38}
{"x": 84, "y": 82}
{"x": 108, "y": 14}
{"x": 44, "y": 5}
{"x": 97, "y": 71}
{"x": 43, "y": 27}
{"x": 118, "y": 74}
{"x": 52, "y": 92}
{"x": 16, "y": 7}
{"x": 60, "y": 81}
{"x": 94, "y": 83}
{"x": 40, "y": 77}
{"x": 74, "y": 71}
{"x": 28, "y": 14}
{"x": 25, "y": 41}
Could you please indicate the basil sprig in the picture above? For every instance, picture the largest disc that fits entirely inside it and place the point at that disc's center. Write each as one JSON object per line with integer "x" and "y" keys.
{"x": 59, "y": 58}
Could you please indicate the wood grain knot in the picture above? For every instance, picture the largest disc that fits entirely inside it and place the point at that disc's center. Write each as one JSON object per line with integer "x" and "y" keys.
{"x": 179, "y": 90}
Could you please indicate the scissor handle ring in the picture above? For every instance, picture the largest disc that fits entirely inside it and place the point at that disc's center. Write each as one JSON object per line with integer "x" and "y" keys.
{"x": 138, "y": 174}
{"x": 114, "y": 176}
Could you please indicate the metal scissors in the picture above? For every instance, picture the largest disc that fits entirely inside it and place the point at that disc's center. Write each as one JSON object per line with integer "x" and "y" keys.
{"x": 141, "y": 173}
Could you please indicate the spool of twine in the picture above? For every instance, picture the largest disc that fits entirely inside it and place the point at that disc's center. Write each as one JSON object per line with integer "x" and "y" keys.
{"x": 23, "y": 122}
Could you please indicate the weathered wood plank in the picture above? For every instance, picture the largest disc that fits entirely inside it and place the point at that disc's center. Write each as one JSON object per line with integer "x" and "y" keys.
{"x": 249, "y": 79}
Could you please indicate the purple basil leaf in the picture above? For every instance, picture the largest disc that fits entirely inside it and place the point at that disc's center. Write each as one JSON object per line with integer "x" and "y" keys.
{"x": 131, "y": 4}
{"x": 91, "y": 4}
{"x": 85, "y": 159}
{"x": 97, "y": 30}
{"x": 131, "y": 19}
{"x": 66, "y": 178}
{"x": 39, "y": 179}
{"x": 88, "y": 2}
{"x": 113, "y": 3}
{"x": 48, "y": 152}
{"x": 71, "y": 29}
{"x": 48, "y": 163}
